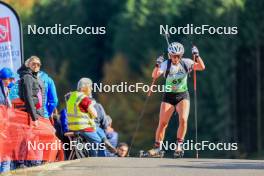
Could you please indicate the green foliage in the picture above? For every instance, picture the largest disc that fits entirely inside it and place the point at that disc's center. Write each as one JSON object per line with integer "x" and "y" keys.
{"x": 227, "y": 94}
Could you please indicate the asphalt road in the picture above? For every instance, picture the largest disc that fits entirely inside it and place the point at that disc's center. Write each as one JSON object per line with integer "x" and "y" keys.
{"x": 148, "y": 167}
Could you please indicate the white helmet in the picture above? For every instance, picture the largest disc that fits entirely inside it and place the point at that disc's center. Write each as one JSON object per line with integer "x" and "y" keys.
{"x": 176, "y": 48}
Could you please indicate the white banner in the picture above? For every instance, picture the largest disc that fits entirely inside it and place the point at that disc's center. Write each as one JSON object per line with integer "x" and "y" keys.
{"x": 11, "y": 48}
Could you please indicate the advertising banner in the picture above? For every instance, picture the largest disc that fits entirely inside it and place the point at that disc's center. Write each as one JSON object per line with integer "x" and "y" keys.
{"x": 11, "y": 46}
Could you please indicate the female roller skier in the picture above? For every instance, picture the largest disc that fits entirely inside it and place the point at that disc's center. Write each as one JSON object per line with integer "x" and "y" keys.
{"x": 176, "y": 97}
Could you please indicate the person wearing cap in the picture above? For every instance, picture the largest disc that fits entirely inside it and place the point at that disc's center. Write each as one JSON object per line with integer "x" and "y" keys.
{"x": 6, "y": 79}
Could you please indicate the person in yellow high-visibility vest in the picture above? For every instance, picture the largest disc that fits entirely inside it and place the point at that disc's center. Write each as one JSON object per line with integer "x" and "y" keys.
{"x": 81, "y": 114}
{"x": 80, "y": 110}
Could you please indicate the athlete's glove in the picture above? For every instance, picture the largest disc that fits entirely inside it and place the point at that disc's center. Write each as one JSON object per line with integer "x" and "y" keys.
{"x": 159, "y": 60}
{"x": 195, "y": 51}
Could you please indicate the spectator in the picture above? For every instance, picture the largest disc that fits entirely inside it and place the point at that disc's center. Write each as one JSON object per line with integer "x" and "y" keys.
{"x": 14, "y": 91}
{"x": 122, "y": 149}
{"x": 101, "y": 122}
{"x": 101, "y": 119}
{"x": 6, "y": 79}
{"x": 64, "y": 121}
{"x": 31, "y": 88}
{"x": 111, "y": 135}
{"x": 81, "y": 114}
{"x": 50, "y": 94}
{"x": 64, "y": 128}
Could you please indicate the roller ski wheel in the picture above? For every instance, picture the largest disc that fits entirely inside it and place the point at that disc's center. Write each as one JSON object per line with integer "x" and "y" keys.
{"x": 153, "y": 153}
{"x": 143, "y": 154}
{"x": 179, "y": 154}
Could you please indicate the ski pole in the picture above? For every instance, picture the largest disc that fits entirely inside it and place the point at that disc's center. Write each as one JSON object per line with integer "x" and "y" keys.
{"x": 145, "y": 104}
{"x": 153, "y": 82}
{"x": 140, "y": 117}
{"x": 166, "y": 35}
{"x": 167, "y": 38}
{"x": 195, "y": 104}
{"x": 142, "y": 113}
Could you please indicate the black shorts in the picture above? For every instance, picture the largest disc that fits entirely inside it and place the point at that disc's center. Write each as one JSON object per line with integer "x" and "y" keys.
{"x": 175, "y": 98}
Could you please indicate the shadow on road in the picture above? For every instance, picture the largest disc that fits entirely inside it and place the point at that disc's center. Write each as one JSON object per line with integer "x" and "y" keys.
{"x": 231, "y": 165}
{"x": 105, "y": 167}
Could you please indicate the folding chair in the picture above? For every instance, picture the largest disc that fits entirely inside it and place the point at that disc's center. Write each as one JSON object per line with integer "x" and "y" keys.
{"x": 75, "y": 137}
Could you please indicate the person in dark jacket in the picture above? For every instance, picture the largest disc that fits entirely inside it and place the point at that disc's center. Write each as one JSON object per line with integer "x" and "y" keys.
{"x": 31, "y": 88}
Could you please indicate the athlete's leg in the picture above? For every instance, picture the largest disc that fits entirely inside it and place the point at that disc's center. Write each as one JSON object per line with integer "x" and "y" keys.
{"x": 183, "y": 108}
{"x": 166, "y": 111}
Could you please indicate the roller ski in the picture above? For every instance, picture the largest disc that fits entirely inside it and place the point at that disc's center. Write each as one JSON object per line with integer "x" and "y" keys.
{"x": 179, "y": 152}
{"x": 153, "y": 153}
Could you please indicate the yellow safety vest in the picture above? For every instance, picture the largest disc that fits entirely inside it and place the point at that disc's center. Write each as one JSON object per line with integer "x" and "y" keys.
{"x": 78, "y": 120}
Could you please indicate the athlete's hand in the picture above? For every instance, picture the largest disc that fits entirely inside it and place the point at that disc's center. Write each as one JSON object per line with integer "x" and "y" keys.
{"x": 159, "y": 60}
{"x": 195, "y": 51}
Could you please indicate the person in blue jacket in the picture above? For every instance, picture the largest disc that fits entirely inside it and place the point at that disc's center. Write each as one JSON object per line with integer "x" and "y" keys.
{"x": 111, "y": 135}
{"x": 6, "y": 79}
{"x": 50, "y": 94}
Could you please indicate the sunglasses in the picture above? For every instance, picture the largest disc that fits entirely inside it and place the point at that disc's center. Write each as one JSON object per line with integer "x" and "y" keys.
{"x": 123, "y": 149}
{"x": 174, "y": 56}
{"x": 36, "y": 64}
